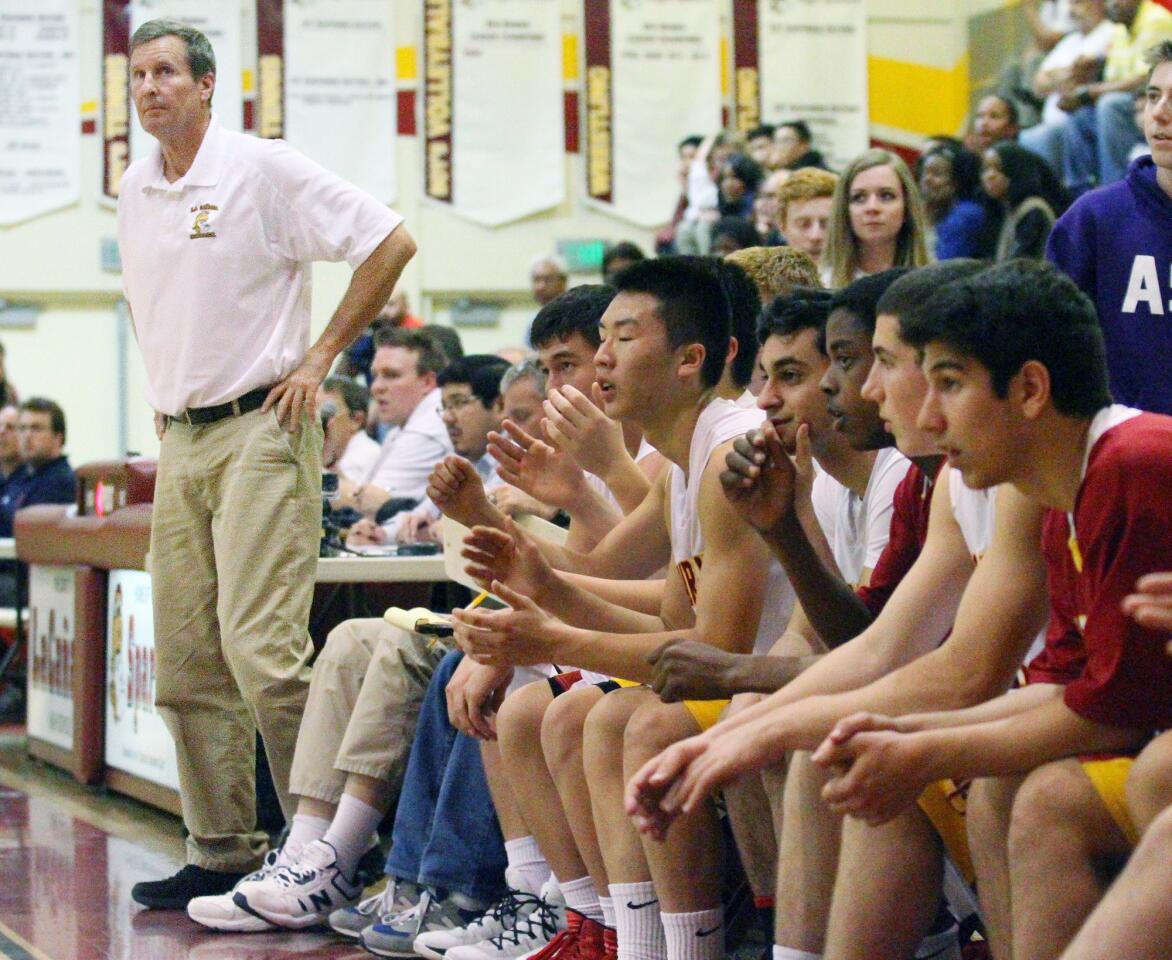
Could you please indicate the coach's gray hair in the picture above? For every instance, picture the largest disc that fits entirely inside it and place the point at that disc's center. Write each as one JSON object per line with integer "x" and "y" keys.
{"x": 519, "y": 371}
{"x": 201, "y": 58}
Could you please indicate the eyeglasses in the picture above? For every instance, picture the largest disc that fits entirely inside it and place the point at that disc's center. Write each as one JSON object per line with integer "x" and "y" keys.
{"x": 454, "y": 403}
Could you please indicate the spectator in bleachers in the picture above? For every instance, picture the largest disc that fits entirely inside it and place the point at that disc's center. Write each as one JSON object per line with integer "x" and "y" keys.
{"x": 995, "y": 120}
{"x": 1029, "y": 196}
{"x": 1076, "y": 59}
{"x": 766, "y": 208}
{"x": 619, "y": 256}
{"x": 732, "y": 233}
{"x": 1116, "y": 244}
{"x": 11, "y": 457}
{"x": 446, "y": 338}
{"x": 686, "y": 151}
{"x": 958, "y": 225}
{"x": 759, "y": 144}
{"x": 794, "y": 147}
{"x": 804, "y": 204}
{"x": 776, "y": 270}
{"x": 348, "y": 450}
{"x": 548, "y": 277}
{"x": 693, "y": 233}
{"x": 8, "y": 393}
{"x": 1101, "y": 132}
{"x": 739, "y": 179}
{"x": 877, "y": 220}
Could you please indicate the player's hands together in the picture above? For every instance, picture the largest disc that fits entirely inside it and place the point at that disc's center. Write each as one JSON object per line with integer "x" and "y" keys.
{"x": 510, "y": 501}
{"x": 576, "y": 425}
{"x": 474, "y": 694}
{"x": 1151, "y": 604}
{"x": 520, "y": 635}
{"x": 875, "y": 771}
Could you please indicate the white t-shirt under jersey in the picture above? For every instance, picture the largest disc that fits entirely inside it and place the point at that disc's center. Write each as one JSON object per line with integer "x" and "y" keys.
{"x": 719, "y": 422}
{"x": 857, "y": 528}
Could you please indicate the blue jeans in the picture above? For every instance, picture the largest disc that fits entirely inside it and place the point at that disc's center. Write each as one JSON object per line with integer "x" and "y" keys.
{"x": 446, "y": 834}
{"x": 1046, "y": 140}
{"x": 1097, "y": 140}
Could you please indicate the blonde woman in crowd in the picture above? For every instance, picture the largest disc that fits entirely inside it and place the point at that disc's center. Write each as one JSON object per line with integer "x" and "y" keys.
{"x": 877, "y": 221}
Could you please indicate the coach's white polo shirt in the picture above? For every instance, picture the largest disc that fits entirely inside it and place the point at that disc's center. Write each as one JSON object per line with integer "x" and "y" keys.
{"x": 216, "y": 266}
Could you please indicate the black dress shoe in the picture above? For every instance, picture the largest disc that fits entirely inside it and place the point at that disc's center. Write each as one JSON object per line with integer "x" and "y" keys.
{"x": 175, "y": 892}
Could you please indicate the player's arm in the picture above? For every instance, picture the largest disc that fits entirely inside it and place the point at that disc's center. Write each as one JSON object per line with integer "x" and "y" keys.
{"x": 646, "y": 596}
{"x": 733, "y": 580}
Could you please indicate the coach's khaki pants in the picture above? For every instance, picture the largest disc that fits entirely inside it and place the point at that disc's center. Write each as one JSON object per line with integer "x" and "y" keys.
{"x": 368, "y": 684}
{"x": 234, "y": 542}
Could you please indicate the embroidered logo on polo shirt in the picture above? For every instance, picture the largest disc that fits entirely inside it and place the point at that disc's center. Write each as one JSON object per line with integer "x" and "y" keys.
{"x": 201, "y": 226}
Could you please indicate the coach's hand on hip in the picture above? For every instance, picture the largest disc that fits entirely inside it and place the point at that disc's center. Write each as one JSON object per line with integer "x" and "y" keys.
{"x": 298, "y": 391}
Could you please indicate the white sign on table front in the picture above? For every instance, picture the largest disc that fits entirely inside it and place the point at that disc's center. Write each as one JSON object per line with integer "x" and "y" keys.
{"x": 51, "y": 592}
{"x": 137, "y": 739}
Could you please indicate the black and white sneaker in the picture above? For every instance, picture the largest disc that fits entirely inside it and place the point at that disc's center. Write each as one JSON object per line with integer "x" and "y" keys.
{"x": 302, "y": 894}
{"x": 177, "y": 891}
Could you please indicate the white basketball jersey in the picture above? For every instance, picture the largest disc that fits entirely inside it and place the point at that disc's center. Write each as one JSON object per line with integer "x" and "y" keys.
{"x": 719, "y": 422}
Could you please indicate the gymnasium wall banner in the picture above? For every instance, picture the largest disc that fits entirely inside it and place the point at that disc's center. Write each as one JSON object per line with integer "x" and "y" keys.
{"x": 123, "y": 136}
{"x": 339, "y": 89}
{"x": 652, "y": 78}
{"x": 804, "y": 60}
{"x": 40, "y": 89}
{"x": 493, "y": 107}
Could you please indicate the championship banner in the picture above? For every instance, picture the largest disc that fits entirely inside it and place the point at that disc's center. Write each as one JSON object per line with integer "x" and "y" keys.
{"x": 40, "y": 98}
{"x": 494, "y": 114}
{"x": 652, "y": 78}
{"x": 269, "y": 121}
{"x": 340, "y": 104}
{"x": 804, "y": 61}
{"x": 123, "y": 137}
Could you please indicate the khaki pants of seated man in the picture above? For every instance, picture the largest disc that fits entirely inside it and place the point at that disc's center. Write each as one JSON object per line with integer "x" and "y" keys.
{"x": 234, "y": 541}
{"x": 368, "y": 684}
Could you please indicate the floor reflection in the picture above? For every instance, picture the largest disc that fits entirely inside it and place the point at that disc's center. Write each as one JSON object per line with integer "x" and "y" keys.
{"x": 65, "y": 895}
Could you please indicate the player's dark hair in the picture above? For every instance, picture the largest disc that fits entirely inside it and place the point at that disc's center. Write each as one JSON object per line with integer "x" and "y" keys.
{"x": 860, "y": 298}
{"x": 692, "y": 306}
{"x": 1015, "y": 312}
{"x": 915, "y": 288}
{"x": 578, "y": 310}
{"x": 804, "y": 308}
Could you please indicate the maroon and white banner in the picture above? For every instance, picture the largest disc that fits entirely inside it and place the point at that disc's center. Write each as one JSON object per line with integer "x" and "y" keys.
{"x": 339, "y": 92}
{"x": 652, "y": 78}
{"x": 804, "y": 61}
{"x": 115, "y": 95}
{"x": 40, "y": 93}
{"x": 50, "y": 622}
{"x": 494, "y": 107}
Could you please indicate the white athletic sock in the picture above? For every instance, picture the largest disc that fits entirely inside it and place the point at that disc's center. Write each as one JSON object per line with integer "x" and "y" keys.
{"x": 581, "y": 895}
{"x": 638, "y": 929}
{"x": 354, "y": 824}
{"x": 526, "y": 859}
{"x": 606, "y": 904}
{"x": 788, "y": 953}
{"x": 303, "y": 831}
{"x": 695, "y": 936}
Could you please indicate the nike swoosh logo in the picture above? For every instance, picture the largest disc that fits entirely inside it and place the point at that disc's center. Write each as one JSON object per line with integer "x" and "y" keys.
{"x": 640, "y": 906}
{"x": 708, "y": 933}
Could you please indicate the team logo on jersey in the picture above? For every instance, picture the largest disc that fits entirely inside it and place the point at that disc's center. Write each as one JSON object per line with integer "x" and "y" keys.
{"x": 201, "y": 226}
{"x": 690, "y": 574}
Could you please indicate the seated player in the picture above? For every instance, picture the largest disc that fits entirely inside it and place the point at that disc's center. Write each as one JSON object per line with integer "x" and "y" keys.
{"x": 661, "y": 358}
{"x": 1005, "y": 598}
{"x": 1019, "y": 395}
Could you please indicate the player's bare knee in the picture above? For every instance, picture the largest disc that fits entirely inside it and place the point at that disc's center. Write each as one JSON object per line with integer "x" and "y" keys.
{"x": 520, "y": 715}
{"x": 655, "y": 726}
{"x": 1149, "y": 782}
{"x": 602, "y": 734}
{"x": 562, "y": 726}
{"x": 1051, "y": 803}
